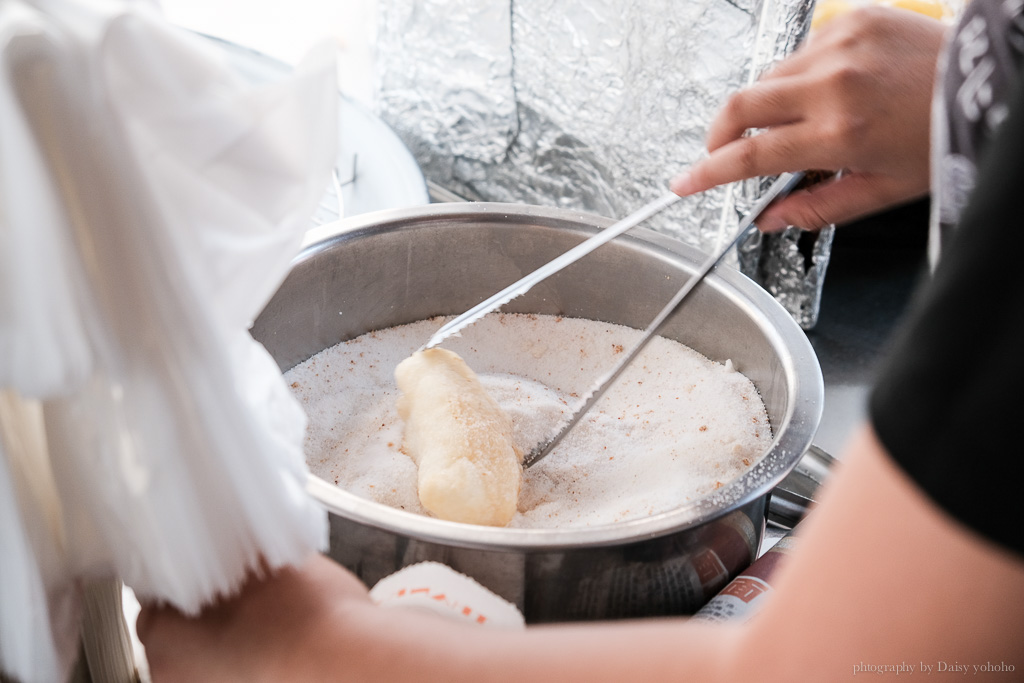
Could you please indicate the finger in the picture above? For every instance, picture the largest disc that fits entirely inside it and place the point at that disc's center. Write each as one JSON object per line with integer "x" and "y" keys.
{"x": 763, "y": 105}
{"x": 144, "y": 621}
{"x": 797, "y": 64}
{"x": 839, "y": 201}
{"x": 335, "y": 578}
{"x": 153, "y": 619}
{"x": 161, "y": 630}
{"x": 777, "y": 150}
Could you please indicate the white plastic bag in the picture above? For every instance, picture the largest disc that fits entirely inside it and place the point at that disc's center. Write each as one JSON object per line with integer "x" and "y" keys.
{"x": 39, "y": 602}
{"x": 151, "y": 204}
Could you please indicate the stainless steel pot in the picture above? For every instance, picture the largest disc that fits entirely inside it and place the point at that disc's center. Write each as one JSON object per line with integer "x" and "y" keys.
{"x": 394, "y": 267}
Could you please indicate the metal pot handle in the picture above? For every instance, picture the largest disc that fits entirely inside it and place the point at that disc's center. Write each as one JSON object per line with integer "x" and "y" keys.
{"x": 794, "y": 496}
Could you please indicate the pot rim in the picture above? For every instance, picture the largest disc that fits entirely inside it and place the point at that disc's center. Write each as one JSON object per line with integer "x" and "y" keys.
{"x": 800, "y": 365}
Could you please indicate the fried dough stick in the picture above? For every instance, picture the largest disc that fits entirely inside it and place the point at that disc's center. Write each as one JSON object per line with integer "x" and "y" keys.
{"x": 461, "y": 439}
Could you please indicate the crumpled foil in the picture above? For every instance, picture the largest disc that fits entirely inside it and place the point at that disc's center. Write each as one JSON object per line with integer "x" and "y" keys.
{"x": 592, "y": 105}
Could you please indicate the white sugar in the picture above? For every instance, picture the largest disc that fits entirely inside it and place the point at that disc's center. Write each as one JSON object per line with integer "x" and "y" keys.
{"x": 673, "y": 428}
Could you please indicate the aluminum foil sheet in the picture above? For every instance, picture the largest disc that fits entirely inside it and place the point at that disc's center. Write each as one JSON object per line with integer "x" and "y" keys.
{"x": 591, "y": 105}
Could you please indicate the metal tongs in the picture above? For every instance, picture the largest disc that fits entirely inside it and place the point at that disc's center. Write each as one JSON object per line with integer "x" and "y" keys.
{"x": 780, "y": 188}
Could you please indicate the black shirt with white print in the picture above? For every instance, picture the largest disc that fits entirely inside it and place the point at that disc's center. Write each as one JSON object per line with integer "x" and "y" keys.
{"x": 976, "y": 76}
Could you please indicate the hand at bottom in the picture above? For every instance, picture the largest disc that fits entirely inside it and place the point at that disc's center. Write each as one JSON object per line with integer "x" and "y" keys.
{"x": 263, "y": 634}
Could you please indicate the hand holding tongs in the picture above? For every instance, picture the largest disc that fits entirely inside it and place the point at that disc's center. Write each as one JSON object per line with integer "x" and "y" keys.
{"x": 780, "y": 188}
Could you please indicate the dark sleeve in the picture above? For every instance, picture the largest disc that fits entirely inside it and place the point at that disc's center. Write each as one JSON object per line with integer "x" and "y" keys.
{"x": 949, "y": 402}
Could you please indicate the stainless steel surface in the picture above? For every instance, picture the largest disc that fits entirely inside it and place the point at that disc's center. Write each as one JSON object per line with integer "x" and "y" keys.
{"x": 780, "y": 188}
{"x": 395, "y": 267}
{"x": 525, "y": 284}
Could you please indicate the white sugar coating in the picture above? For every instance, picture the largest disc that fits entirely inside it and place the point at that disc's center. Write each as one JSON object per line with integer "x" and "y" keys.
{"x": 674, "y": 427}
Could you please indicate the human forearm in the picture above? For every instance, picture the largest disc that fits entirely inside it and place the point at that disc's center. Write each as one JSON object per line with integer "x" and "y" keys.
{"x": 881, "y": 575}
{"x": 885, "y": 576}
{"x": 363, "y": 642}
